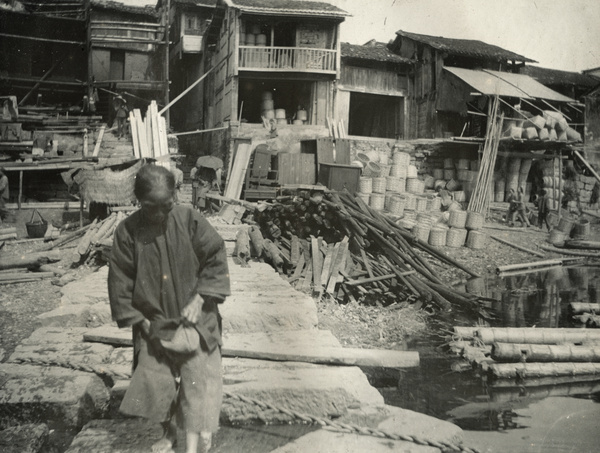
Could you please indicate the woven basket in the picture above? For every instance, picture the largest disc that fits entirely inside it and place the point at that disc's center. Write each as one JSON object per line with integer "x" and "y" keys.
{"x": 449, "y": 173}
{"x": 456, "y": 237}
{"x": 415, "y": 185}
{"x": 421, "y": 204}
{"x": 377, "y": 201}
{"x": 401, "y": 159}
{"x": 428, "y": 181}
{"x": 395, "y": 184}
{"x": 411, "y": 172}
{"x": 581, "y": 230}
{"x": 462, "y": 174}
{"x": 365, "y": 184}
{"x": 439, "y": 184}
{"x": 457, "y": 219}
{"x": 438, "y": 173}
{"x": 462, "y": 164}
{"x": 452, "y": 185}
{"x": 424, "y": 219}
{"x": 421, "y": 232}
{"x": 396, "y": 205}
{"x": 448, "y": 163}
{"x": 388, "y": 197}
{"x": 363, "y": 158}
{"x": 565, "y": 225}
{"x": 373, "y": 155}
{"x": 437, "y": 236}
{"x": 459, "y": 195}
{"x": 384, "y": 158}
{"x": 379, "y": 185}
{"x": 454, "y": 206}
{"x": 398, "y": 171}
{"x": 434, "y": 203}
{"x": 372, "y": 169}
{"x": 476, "y": 240}
{"x": 474, "y": 220}
{"x": 364, "y": 196}
{"x": 410, "y": 202}
{"x": 409, "y": 215}
{"x": 408, "y": 224}
{"x": 556, "y": 237}
{"x": 385, "y": 169}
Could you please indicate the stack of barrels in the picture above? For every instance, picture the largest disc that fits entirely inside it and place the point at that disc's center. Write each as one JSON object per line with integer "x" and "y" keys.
{"x": 269, "y": 111}
{"x": 254, "y": 36}
{"x": 552, "y": 183}
{"x": 514, "y": 175}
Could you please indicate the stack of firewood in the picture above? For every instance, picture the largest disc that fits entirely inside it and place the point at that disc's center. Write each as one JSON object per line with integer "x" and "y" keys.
{"x": 97, "y": 238}
{"x": 336, "y": 244}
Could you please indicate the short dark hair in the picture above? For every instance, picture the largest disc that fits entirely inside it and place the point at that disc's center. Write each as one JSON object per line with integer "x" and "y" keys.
{"x": 149, "y": 177}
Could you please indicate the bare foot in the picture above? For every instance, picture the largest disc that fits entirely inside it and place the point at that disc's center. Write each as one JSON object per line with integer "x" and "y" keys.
{"x": 163, "y": 446}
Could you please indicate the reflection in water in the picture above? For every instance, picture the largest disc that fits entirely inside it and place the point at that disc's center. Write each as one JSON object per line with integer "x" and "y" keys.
{"x": 538, "y": 299}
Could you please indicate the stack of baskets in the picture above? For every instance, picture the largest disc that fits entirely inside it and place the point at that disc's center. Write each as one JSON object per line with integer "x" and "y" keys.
{"x": 476, "y": 239}
{"x": 365, "y": 188}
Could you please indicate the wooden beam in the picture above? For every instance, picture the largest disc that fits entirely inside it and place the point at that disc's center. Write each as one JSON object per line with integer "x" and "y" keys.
{"x": 99, "y": 141}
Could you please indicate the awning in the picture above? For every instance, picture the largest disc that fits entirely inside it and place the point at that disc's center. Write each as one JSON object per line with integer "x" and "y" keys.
{"x": 507, "y": 84}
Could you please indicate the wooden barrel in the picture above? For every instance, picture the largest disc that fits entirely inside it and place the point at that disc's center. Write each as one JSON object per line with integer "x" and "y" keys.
{"x": 449, "y": 163}
{"x": 421, "y": 232}
{"x": 362, "y": 157}
{"x": 281, "y": 121}
{"x": 556, "y": 237}
{"x": 401, "y": 158}
{"x": 410, "y": 202}
{"x": 269, "y": 114}
{"x": 462, "y": 164}
{"x": 372, "y": 169}
{"x": 411, "y": 171}
{"x": 399, "y": 171}
{"x": 414, "y": 185}
{"x": 297, "y": 122}
{"x": 364, "y": 196}
{"x": 421, "y": 204}
{"x": 268, "y": 104}
{"x": 452, "y": 185}
{"x": 449, "y": 173}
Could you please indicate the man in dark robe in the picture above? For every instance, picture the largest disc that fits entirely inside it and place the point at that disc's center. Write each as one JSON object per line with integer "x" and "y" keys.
{"x": 169, "y": 267}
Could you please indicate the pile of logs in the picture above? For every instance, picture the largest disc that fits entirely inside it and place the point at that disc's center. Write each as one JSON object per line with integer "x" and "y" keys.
{"x": 336, "y": 244}
{"x": 529, "y": 357}
{"x": 28, "y": 267}
{"x": 97, "y": 238}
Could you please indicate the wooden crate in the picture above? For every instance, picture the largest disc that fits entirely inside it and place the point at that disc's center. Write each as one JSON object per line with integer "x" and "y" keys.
{"x": 294, "y": 168}
{"x": 339, "y": 177}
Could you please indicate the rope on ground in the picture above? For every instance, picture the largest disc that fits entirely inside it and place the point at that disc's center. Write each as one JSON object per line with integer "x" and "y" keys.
{"x": 324, "y": 422}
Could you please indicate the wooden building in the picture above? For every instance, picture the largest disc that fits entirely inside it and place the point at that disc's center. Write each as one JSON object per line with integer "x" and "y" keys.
{"x": 127, "y": 54}
{"x": 371, "y": 95}
{"x": 188, "y": 24}
{"x": 428, "y": 113}
{"x": 285, "y": 52}
{"x": 572, "y": 84}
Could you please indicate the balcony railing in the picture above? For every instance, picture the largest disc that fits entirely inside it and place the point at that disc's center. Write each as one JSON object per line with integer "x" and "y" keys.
{"x": 287, "y": 59}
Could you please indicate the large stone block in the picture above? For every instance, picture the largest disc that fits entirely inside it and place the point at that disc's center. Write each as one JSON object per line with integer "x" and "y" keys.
{"x": 57, "y": 396}
{"x": 80, "y": 315}
{"x": 28, "y": 438}
{"x": 322, "y": 391}
{"x": 89, "y": 290}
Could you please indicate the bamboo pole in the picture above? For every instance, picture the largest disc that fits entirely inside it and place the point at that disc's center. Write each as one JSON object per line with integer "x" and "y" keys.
{"x": 514, "y": 352}
{"x": 519, "y": 247}
{"x": 536, "y": 335}
{"x": 537, "y": 370}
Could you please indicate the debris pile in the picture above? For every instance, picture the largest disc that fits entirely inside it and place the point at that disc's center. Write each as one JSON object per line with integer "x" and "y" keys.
{"x": 335, "y": 243}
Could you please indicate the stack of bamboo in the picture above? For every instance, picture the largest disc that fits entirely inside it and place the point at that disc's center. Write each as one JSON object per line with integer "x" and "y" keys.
{"x": 149, "y": 135}
{"x": 480, "y": 199}
{"x": 351, "y": 250}
{"x": 531, "y": 357}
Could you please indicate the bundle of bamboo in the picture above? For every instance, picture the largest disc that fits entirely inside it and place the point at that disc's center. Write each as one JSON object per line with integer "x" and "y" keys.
{"x": 149, "y": 135}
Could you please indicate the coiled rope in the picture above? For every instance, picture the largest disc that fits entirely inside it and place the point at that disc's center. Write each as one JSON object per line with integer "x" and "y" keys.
{"x": 324, "y": 422}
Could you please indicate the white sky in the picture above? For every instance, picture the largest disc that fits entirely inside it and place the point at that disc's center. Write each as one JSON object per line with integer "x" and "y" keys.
{"x": 559, "y": 34}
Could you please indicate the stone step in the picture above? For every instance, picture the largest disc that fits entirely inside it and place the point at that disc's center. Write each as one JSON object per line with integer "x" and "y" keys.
{"x": 53, "y": 395}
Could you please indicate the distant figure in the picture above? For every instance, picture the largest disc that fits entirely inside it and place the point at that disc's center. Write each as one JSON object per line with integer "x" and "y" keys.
{"x": 121, "y": 114}
{"x": 517, "y": 207}
{"x": 3, "y": 195}
{"x": 543, "y": 210}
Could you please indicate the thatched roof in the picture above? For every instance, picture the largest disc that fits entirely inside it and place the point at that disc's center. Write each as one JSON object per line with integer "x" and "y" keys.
{"x": 288, "y": 8}
{"x": 465, "y": 47}
{"x": 372, "y": 51}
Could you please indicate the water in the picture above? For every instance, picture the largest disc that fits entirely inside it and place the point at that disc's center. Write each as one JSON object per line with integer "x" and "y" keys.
{"x": 558, "y": 416}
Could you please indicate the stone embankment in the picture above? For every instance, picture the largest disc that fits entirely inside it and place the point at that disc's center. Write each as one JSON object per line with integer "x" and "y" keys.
{"x": 264, "y": 311}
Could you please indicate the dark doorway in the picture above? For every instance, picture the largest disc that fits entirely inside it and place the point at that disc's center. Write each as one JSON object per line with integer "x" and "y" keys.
{"x": 373, "y": 115}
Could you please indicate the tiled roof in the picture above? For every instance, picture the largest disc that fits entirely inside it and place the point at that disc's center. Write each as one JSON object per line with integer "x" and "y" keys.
{"x": 123, "y": 7}
{"x": 557, "y": 77}
{"x": 465, "y": 47}
{"x": 288, "y": 7}
{"x": 196, "y": 2}
{"x": 373, "y": 51}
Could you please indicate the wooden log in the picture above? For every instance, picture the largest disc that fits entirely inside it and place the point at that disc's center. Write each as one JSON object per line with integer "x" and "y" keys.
{"x": 338, "y": 265}
{"x": 543, "y": 381}
{"x": 56, "y": 270}
{"x": 464, "y": 332}
{"x": 7, "y": 236}
{"x": 578, "y": 385}
{"x": 576, "y": 308}
{"x": 69, "y": 237}
{"x": 536, "y": 335}
{"x": 317, "y": 262}
{"x": 84, "y": 244}
{"x": 514, "y": 352}
{"x": 523, "y": 266}
{"x": 363, "y": 281}
{"x": 517, "y": 246}
{"x": 7, "y": 230}
{"x": 538, "y": 370}
{"x": 19, "y": 276}
{"x": 104, "y": 227}
{"x": 585, "y": 245}
{"x": 570, "y": 252}
{"x": 242, "y": 246}
{"x": 273, "y": 254}
{"x": 29, "y": 260}
{"x": 257, "y": 242}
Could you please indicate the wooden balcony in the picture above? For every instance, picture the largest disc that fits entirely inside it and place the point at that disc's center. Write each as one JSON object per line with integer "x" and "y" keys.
{"x": 286, "y": 59}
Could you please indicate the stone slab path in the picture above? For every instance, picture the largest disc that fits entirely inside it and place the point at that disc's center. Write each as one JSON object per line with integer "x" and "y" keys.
{"x": 263, "y": 308}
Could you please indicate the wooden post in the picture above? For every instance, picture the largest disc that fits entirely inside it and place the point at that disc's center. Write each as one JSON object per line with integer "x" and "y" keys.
{"x": 85, "y": 142}
{"x": 554, "y": 181}
{"x": 20, "y": 189}
{"x": 560, "y": 183}
{"x": 80, "y": 210}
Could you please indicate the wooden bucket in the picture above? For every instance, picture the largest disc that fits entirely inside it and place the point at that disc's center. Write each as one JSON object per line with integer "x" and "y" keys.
{"x": 474, "y": 220}
{"x": 424, "y": 219}
{"x": 457, "y": 219}
{"x": 301, "y": 115}
{"x": 365, "y": 184}
{"x": 459, "y": 195}
{"x": 455, "y": 237}
{"x": 565, "y": 225}
{"x": 269, "y": 114}
{"x": 454, "y": 206}
{"x": 268, "y": 104}
{"x": 462, "y": 174}
{"x": 437, "y": 237}
{"x": 250, "y": 39}
{"x": 476, "y": 240}
{"x": 581, "y": 230}
{"x": 462, "y": 164}
{"x": 261, "y": 39}
{"x": 411, "y": 172}
{"x": 476, "y": 286}
{"x": 379, "y": 185}
{"x": 267, "y": 95}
